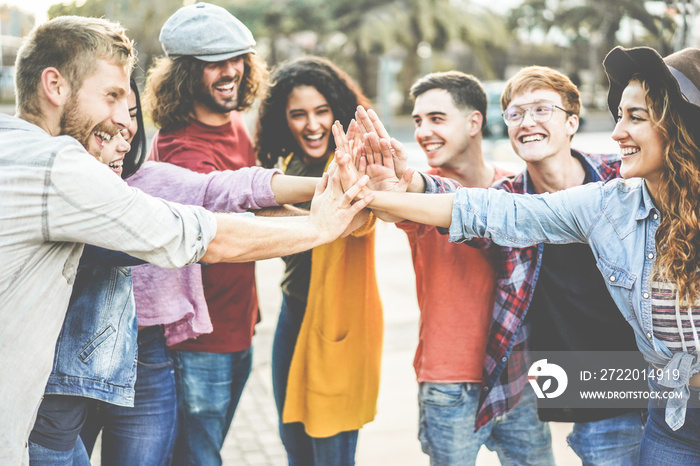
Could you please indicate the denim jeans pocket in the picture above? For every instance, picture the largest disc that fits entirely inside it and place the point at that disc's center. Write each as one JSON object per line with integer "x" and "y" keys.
{"x": 443, "y": 394}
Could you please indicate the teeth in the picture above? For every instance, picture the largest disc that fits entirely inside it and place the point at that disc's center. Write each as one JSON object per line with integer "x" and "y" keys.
{"x": 116, "y": 164}
{"x": 226, "y": 87}
{"x": 314, "y": 137}
{"x": 433, "y": 146}
{"x": 533, "y": 138}
{"x": 104, "y": 136}
{"x": 629, "y": 150}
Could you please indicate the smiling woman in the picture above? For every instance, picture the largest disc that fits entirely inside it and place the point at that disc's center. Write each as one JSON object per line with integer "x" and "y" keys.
{"x": 327, "y": 347}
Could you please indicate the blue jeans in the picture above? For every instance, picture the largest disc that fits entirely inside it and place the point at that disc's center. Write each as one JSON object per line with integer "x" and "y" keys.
{"x": 612, "y": 442}
{"x": 144, "y": 434}
{"x": 302, "y": 449}
{"x": 661, "y": 445}
{"x": 40, "y": 455}
{"x": 209, "y": 386}
{"x": 446, "y": 428}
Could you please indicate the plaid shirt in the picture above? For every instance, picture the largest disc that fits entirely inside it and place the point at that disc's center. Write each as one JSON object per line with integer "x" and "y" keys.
{"x": 505, "y": 372}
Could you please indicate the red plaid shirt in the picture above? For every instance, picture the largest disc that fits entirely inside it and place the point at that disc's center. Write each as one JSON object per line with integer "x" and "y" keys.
{"x": 505, "y": 372}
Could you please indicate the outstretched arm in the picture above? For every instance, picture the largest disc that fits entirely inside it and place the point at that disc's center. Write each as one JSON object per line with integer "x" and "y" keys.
{"x": 431, "y": 209}
{"x": 244, "y": 239}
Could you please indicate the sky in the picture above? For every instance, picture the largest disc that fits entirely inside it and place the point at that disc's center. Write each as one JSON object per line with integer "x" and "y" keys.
{"x": 38, "y": 7}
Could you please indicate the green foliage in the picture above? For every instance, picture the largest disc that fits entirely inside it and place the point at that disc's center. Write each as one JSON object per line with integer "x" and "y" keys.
{"x": 352, "y": 33}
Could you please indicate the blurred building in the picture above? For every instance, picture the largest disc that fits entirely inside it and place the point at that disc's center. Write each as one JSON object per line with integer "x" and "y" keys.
{"x": 14, "y": 25}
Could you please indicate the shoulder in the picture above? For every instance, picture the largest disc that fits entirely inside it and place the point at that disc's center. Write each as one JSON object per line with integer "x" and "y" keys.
{"x": 510, "y": 183}
{"x": 606, "y": 165}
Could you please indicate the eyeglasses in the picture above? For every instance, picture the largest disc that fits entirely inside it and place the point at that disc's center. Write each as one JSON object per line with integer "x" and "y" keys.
{"x": 513, "y": 116}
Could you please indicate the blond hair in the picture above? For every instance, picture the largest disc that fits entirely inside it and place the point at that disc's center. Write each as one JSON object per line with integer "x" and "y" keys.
{"x": 71, "y": 44}
{"x": 533, "y": 78}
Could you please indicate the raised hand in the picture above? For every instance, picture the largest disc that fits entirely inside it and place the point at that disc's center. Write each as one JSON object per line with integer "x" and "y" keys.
{"x": 348, "y": 173}
{"x": 369, "y": 123}
{"x": 332, "y": 211}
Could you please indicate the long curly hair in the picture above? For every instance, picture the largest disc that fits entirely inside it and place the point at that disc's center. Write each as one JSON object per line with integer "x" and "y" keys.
{"x": 273, "y": 137}
{"x": 678, "y": 197}
{"x": 172, "y": 86}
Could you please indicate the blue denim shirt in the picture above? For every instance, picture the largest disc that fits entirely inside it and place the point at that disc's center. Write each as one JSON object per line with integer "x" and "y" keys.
{"x": 618, "y": 220}
{"x": 96, "y": 352}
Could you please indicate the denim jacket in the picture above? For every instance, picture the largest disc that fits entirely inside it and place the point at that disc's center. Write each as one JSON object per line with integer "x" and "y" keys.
{"x": 618, "y": 220}
{"x": 96, "y": 352}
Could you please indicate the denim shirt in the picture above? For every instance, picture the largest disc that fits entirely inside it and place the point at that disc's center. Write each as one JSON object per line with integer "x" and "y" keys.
{"x": 618, "y": 220}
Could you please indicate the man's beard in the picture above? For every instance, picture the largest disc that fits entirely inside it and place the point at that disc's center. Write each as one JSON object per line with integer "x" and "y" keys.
{"x": 83, "y": 129}
{"x": 74, "y": 124}
{"x": 206, "y": 97}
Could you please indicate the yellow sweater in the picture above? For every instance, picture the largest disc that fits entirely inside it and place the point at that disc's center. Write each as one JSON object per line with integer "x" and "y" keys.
{"x": 334, "y": 375}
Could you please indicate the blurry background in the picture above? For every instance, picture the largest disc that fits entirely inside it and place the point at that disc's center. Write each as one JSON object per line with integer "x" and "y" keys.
{"x": 386, "y": 44}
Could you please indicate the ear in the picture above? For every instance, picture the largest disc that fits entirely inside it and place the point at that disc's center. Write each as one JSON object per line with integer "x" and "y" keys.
{"x": 475, "y": 122}
{"x": 572, "y": 125}
{"x": 55, "y": 86}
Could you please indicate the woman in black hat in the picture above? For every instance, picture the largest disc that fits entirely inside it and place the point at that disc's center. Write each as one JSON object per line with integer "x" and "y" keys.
{"x": 644, "y": 231}
{"x": 657, "y": 105}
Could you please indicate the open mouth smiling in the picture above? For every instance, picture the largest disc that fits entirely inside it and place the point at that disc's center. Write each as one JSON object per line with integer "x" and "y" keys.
{"x": 532, "y": 138}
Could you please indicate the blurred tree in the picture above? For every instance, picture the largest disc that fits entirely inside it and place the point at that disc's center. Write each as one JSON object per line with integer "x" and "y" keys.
{"x": 353, "y": 33}
{"x": 276, "y": 20}
{"x": 597, "y": 23}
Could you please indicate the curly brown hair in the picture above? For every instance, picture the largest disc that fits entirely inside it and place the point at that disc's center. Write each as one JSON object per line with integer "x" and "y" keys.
{"x": 273, "y": 138}
{"x": 678, "y": 196}
{"x": 172, "y": 86}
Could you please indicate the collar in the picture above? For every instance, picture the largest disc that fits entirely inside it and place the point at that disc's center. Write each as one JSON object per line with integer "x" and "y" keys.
{"x": 646, "y": 207}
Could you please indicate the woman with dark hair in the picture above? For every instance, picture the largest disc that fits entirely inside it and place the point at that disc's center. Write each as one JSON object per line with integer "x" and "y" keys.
{"x": 135, "y": 135}
{"x": 643, "y": 230}
{"x": 327, "y": 347}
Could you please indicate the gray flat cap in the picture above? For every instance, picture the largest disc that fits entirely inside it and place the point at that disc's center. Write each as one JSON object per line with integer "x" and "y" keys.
{"x": 206, "y": 32}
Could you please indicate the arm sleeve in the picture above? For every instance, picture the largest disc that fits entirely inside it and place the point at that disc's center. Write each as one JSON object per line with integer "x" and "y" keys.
{"x": 224, "y": 191}
{"x": 521, "y": 220}
{"x": 86, "y": 203}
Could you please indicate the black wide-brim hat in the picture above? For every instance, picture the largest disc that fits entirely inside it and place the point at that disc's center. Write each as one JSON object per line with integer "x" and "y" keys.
{"x": 680, "y": 71}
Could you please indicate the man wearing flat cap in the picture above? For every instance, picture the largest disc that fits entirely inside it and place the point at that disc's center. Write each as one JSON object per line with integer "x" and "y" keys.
{"x": 195, "y": 94}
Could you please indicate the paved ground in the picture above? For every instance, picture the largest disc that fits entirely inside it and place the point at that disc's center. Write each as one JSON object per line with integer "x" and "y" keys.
{"x": 391, "y": 439}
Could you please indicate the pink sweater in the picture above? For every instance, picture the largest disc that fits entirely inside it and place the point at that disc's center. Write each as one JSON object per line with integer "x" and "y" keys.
{"x": 175, "y": 297}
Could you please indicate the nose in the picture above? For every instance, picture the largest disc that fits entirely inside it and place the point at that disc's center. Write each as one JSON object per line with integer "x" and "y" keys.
{"x": 312, "y": 123}
{"x": 122, "y": 146}
{"x": 422, "y": 131}
{"x": 121, "y": 117}
{"x": 619, "y": 132}
{"x": 528, "y": 114}
{"x": 230, "y": 67}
